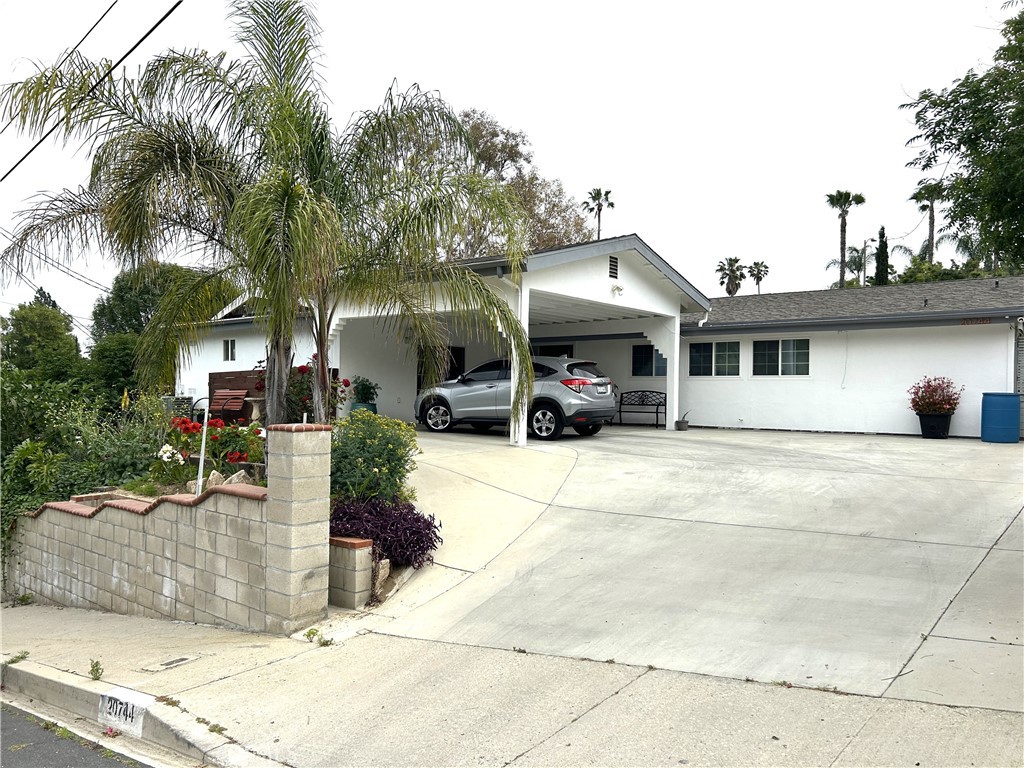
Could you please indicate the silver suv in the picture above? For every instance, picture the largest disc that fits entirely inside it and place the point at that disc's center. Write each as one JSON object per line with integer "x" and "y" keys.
{"x": 566, "y": 393}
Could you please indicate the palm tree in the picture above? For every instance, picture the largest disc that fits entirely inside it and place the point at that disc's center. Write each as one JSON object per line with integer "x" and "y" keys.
{"x": 842, "y": 201}
{"x": 731, "y": 274}
{"x": 238, "y": 162}
{"x": 596, "y": 203}
{"x": 758, "y": 271}
{"x": 857, "y": 260}
{"x": 927, "y": 195}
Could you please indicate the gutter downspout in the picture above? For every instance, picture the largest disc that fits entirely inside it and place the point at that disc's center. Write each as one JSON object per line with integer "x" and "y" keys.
{"x": 700, "y": 324}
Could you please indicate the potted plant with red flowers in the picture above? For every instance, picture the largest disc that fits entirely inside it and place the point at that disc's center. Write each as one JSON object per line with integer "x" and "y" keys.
{"x": 934, "y": 399}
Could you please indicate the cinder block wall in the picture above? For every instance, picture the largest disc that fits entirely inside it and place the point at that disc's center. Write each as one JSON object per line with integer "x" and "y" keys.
{"x": 239, "y": 556}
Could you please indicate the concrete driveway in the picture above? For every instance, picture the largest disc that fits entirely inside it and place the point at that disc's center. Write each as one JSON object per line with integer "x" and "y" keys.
{"x": 878, "y": 565}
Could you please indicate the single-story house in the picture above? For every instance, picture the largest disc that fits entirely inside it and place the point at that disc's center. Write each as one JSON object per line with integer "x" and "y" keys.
{"x": 815, "y": 360}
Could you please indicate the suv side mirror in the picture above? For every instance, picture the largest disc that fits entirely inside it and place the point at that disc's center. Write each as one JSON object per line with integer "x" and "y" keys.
{"x": 462, "y": 378}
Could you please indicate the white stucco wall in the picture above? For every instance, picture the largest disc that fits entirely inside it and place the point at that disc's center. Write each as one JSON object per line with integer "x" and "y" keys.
{"x": 858, "y": 380}
{"x": 642, "y": 288}
{"x": 250, "y": 347}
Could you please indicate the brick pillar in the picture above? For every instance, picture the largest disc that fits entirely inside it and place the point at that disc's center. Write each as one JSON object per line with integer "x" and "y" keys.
{"x": 298, "y": 525}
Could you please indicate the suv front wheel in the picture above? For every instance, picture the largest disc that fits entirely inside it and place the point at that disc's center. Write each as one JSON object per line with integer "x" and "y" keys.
{"x": 437, "y": 416}
{"x": 546, "y": 422}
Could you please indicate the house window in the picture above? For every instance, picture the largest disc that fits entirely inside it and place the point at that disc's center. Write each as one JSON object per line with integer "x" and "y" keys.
{"x": 786, "y": 357}
{"x": 647, "y": 361}
{"x": 702, "y": 359}
{"x": 727, "y": 358}
{"x": 719, "y": 359}
{"x": 613, "y": 267}
{"x": 229, "y": 349}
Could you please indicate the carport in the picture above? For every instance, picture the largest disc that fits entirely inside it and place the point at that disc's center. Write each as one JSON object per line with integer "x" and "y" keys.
{"x": 603, "y": 291}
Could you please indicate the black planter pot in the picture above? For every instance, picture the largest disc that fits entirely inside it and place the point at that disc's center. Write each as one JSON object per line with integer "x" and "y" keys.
{"x": 935, "y": 426}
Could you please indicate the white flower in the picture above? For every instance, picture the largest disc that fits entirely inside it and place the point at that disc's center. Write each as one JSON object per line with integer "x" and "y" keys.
{"x": 168, "y": 454}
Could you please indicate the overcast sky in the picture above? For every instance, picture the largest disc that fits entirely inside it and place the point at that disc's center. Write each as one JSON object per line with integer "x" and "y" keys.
{"x": 718, "y": 127}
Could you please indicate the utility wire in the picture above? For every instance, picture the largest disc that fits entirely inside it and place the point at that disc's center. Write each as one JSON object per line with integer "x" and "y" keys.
{"x": 95, "y": 85}
{"x": 52, "y": 262}
{"x": 83, "y": 328}
{"x": 68, "y": 54}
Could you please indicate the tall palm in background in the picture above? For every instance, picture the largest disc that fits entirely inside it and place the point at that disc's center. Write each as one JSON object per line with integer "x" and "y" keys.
{"x": 731, "y": 274}
{"x": 928, "y": 193}
{"x": 596, "y": 202}
{"x": 758, "y": 271}
{"x": 843, "y": 201}
{"x": 237, "y": 163}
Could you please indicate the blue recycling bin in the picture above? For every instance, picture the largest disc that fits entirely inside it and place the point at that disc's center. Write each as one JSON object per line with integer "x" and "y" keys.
{"x": 1000, "y": 417}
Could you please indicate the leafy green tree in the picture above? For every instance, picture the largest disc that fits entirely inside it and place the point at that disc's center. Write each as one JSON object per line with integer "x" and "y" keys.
{"x": 730, "y": 274}
{"x": 758, "y": 271}
{"x": 843, "y": 201}
{"x": 552, "y": 217}
{"x": 882, "y": 259}
{"x": 595, "y": 203}
{"x": 112, "y": 364}
{"x": 133, "y": 299}
{"x": 45, "y": 299}
{"x": 37, "y": 339}
{"x": 973, "y": 132}
{"x": 238, "y": 161}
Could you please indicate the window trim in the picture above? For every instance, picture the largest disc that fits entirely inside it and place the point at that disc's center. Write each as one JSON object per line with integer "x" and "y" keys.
{"x": 229, "y": 350}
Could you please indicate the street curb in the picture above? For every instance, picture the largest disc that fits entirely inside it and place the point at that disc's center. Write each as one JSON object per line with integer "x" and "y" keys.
{"x": 164, "y": 725}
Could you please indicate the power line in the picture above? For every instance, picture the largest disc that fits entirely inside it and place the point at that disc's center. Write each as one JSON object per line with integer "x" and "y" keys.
{"x": 95, "y": 85}
{"x": 64, "y": 268}
{"x": 84, "y": 329}
{"x": 68, "y": 54}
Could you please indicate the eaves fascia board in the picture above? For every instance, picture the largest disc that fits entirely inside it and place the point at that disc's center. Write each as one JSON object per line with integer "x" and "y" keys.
{"x": 247, "y": 320}
{"x": 912, "y": 320}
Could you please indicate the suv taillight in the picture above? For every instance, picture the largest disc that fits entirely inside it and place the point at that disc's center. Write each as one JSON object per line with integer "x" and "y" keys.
{"x": 576, "y": 385}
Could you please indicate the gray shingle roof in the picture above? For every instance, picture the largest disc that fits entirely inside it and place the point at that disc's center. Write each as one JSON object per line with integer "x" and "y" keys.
{"x": 911, "y": 304}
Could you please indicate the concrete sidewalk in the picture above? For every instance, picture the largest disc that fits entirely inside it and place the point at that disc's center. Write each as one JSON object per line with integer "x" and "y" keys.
{"x": 372, "y": 699}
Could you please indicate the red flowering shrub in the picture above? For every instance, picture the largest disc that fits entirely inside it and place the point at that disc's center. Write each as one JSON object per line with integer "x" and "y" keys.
{"x": 934, "y": 395}
{"x": 299, "y": 395}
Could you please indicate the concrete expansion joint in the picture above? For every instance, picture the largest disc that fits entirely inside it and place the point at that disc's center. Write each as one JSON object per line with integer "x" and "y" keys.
{"x": 586, "y": 712}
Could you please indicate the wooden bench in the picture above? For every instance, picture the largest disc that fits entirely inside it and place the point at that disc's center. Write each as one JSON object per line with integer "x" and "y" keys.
{"x": 643, "y": 401}
{"x": 231, "y": 401}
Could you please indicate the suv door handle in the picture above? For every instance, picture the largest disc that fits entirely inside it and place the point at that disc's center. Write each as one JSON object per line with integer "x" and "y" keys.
{"x": 491, "y": 386}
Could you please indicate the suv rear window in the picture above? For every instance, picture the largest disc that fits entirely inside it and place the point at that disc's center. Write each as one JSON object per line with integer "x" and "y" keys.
{"x": 585, "y": 368}
{"x": 540, "y": 370}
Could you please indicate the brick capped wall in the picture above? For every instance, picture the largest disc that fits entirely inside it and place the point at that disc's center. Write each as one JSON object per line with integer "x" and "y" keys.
{"x": 239, "y": 556}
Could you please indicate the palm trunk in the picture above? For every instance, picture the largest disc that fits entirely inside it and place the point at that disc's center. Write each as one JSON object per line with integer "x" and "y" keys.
{"x": 279, "y": 367}
{"x": 931, "y": 232}
{"x": 599, "y": 222}
{"x": 842, "y": 250}
{"x": 321, "y": 383}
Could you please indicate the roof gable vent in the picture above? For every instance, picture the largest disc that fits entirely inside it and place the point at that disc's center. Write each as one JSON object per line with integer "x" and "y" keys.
{"x": 613, "y": 267}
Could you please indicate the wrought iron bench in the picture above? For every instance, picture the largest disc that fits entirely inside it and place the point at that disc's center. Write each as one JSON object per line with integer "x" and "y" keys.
{"x": 643, "y": 401}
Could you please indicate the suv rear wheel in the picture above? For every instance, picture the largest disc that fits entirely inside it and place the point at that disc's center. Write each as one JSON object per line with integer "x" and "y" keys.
{"x": 437, "y": 416}
{"x": 588, "y": 429}
{"x": 546, "y": 422}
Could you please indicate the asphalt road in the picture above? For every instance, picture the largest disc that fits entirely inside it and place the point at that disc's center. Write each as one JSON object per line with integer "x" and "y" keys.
{"x": 28, "y": 743}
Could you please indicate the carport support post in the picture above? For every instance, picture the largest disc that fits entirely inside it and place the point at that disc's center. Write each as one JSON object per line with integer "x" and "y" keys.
{"x": 517, "y": 433}
{"x": 667, "y": 342}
